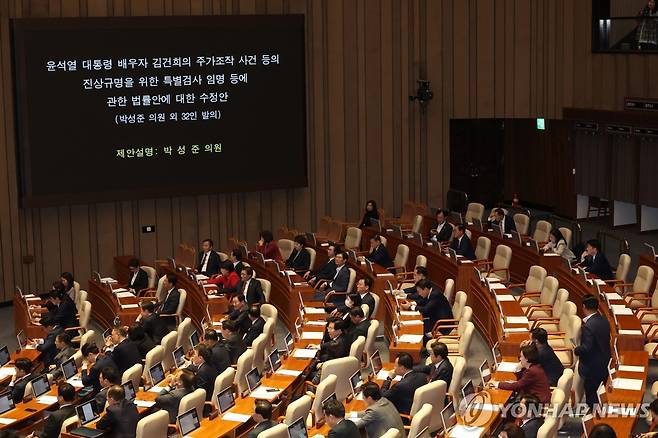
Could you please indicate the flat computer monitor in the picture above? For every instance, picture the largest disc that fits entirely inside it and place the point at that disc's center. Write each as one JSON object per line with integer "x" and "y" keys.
{"x": 448, "y": 418}
{"x": 157, "y": 373}
{"x": 485, "y": 372}
{"x": 289, "y": 342}
{"x": 376, "y": 362}
{"x": 467, "y": 391}
{"x": 253, "y": 379}
{"x": 69, "y": 368}
{"x": 179, "y": 356}
{"x": 331, "y": 397}
{"x": 356, "y": 382}
{"x": 107, "y": 333}
{"x": 21, "y": 339}
{"x": 188, "y": 422}
{"x": 298, "y": 429}
{"x": 225, "y": 400}
{"x": 453, "y": 254}
{"x": 588, "y": 424}
{"x": 40, "y": 386}
{"x": 129, "y": 390}
{"x": 6, "y": 403}
{"x": 497, "y": 355}
{"x": 5, "y": 357}
{"x": 275, "y": 360}
{"x": 194, "y": 339}
{"x": 86, "y": 412}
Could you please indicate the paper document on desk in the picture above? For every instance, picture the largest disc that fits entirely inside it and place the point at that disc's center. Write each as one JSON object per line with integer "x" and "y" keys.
{"x": 129, "y": 306}
{"x": 551, "y": 254}
{"x": 384, "y": 275}
{"x": 383, "y": 375}
{"x": 289, "y": 272}
{"x": 411, "y": 339}
{"x": 599, "y": 282}
{"x": 201, "y": 277}
{"x": 301, "y": 284}
{"x": 33, "y": 299}
{"x": 409, "y": 313}
{"x": 108, "y": 280}
{"x": 485, "y": 407}
{"x": 283, "y": 372}
{"x": 265, "y": 392}
{"x": 120, "y": 289}
{"x": 125, "y": 294}
{"x": 628, "y": 384}
{"x": 313, "y": 335}
{"x": 495, "y": 286}
{"x": 461, "y": 431}
{"x": 631, "y": 368}
{"x": 304, "y": 353}
{"x": 620, "y": 309}
{"x": 213, "y": 297}
{"x": 517, "y": 319}
{"x": 316, "y": 323}
{"x": 156, "y": 389}
{"x": 505, "y": 297}
{"x": 47, "y": 400}
{"x": 313, "y": 310}
{"x": 238, "y": 418}
{"x": 7, "y": 371}
{"x": 515, "y": 329}
{"x": 630, "y": 332}
{"x": 613, "y": 296}
{"x": 507, "y": 367}
{"x": 7, "y": 420}
{"x": 411, "y": 322}
{"x": 144, "y": 403}
{"x": 75, "y": 382}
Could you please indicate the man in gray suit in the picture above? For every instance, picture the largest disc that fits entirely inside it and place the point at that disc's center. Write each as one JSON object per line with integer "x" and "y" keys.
{"x": 169, "y": 399}
{"x": 380, "y": 415}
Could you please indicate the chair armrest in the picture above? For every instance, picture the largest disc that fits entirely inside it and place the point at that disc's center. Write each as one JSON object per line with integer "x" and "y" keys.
{"x": 642, "y": 311}
{"x": 517, "y": 285}
{"x": 527, "y": 294}
{"x": 320, "y": 283}
{"x": 535, "y": 307}
{"x": 483, "y": 262}
{"x": 70, "y": 329}
{"x": 613, "y": 281}
{"x": 456, "y": 337}
{"x": 406, "y": 417}
{"x": 557, "y": 335}
{"x": 651, "y": 331}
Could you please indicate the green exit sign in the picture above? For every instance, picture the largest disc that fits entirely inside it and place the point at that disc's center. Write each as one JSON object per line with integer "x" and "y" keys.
{"x": 541, "y": 124}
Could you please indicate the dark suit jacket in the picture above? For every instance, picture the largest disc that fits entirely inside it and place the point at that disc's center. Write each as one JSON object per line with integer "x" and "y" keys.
{"x": 370, "y": 301}
{"x": 91, "y": 379}
{"x": 531, "y": 427}
{"x": 238, "y": 267}
{"x": 550, "y": 363}
{"x": 212, "y": 267}
{"x": 334, "y": 349}
{"x": 327, "y": 271}
{"x": 261, "y": 427}
{"x": 594, "y": 348}
{"x": 235, "y": 347}
{"x": 55, "y": 420}
{"x": 358, "y": 330}
{"x": 205, "y": 377}
{"x": 299, "y": 262}
{"x": 18, "y": 390}
{"x": 155, "y": 327}
{"x": 170, "y": 400}
{"x": 255, "y": 329}
{"x": 402, "y": 393}
{"x": 121, "y": 420}
{"x": 170, "y": 305}
{"x": 64, "y": 314}
{"x": 443, "y": 372}
{"x": 125, "y": 355}
{"x": 48, "y": 348}
{"x": 533, "y": 381}
{"x": 341, "y": 281}
{"x": 140, "y": 282}
{"x": 241, "y": 318}
{"x": 62, "y": 356}
{"x": 144, "y": 346}
{"x": 463, "y": 247}
{"x": 345, "y": 429}
{"x": 101, "y": 398}
{"x": 436, "y": 307}
{"x": 220, "y": 358}
{"x": 444, "y": 235}
{"x": 509, "y": 224}
{"x": 380, "y": 256}
{"x": 599, "y": 266}
{"x": 254, "y": 291}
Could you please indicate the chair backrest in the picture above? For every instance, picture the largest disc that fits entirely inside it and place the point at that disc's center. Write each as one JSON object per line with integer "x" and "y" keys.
{"x": 420, "y": 421}
{"x": 194, "y": 399}
{"x": 565, "y": 382}
{"x": 458, "y": 370}
{"x": 482, "y": 248}
{"x": 222, "y": 381}
{"x": 258, "y": 346}
{"x": 549, "y": 291}
{"x": 574, "y": 328}
{"x": 542, "y": 231}
{"x": 66, "y": 425}
{"x": 85, "y": 314}
{"x": 169, "y": 345}
{"x": 268, "y": 329}
{"x": 152, "y": 276}
{"x": 560, "y": 300}
{"x": 269, "y": 311}
{"x": 466, "y": 339}
{"x": 417, "y": 224}
{"x": 285, "y": 248}
{"x": 154, "y": 356}
{"x": 80, "y": 298}
{"x": 266, "y": 285}
{"x": 567, "y": 234}
{"x": 475, "y": 210}
{"x": 466, "y": 316}
{"x": 222, "y": 256}
{"x": 357, "y": 348}
{"x": 350, "y": 285}
{"x": 392, "y": 433}
{"x": 522, "y": 223}
{"x": 181, "y": 302}
{"x": 185, "y": 330}
{"x": 434, "y": 394}
{"x": 298, "y": 409}
{"x": 278, "y": 431}
{"x": 159, "y": 291}
{"x": 152, "y": 425}
{"x": 623, "y": 266}
{"x": 366, "y": 310}
{"x": 313, "y": 255}
{"x": 76, "y": 286}
{"x": 245, "y": 364}
{"x": 383, "y": 240}
{"x": 343, "y": 368}
{"x": 549, "y": 428}
{"x": 401, "y": 256}
{"x": 458, "y": 305}
{"x": 353, "y": 238}
{"x": 326, "y": 387}
{"x": 77, "y": 356}
{"x": 375, "y": 297}
{"x": 535, "y": 280}
{"x": 578, "y": 386}
{"x": 643, "y": 279}
{"x": 421, "y": 260}
{"x": 87, "y": 337}
{"x": 449, "y": 289}
{"x": 369, "y": 347}
{"x": 503, "y": 257}
{"x": 568, "y": 309}
{"x": 134, "y": 374}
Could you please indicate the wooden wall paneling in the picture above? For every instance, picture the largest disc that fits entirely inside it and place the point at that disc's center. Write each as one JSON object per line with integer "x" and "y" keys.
{"x": 164, "y": 228}
{"x": 355, "y": 172}
{"x": 435, "y": 126}
{"x": 373, "y": 84}
{"x": 403, "y": 93}
{"x": 522, "y": 58}
{"x": 447, "y": 100}
{"x": 568, "y": 56}
{"x": 81, "y": 242}
{"x": 414, "y": 120}
{"x": 189, "y": 224}
{"x": 50, "y": 243}
{"x": 148, "y": 243}
{"x": 129, "y": 227}
{"x": 550, "y": 64}
{"x": 65, "y": 234}
{"x": 274, "y": 7}
{"x": 509, "y": 57}
{"x": 317, "y": 87}
{"x": 460, "y": 59}
{"x": 485, "y": 51}
{"x": 388, "y": 167}
{"x": 107, "y": 236}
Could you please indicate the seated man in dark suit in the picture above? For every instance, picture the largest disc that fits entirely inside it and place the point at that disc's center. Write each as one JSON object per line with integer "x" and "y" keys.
{"x": 532, "y": 420}
{"x": 21, "y": 378}
{"x": 547, "y": 358}
{"x": 219, "y": 357}
{"x": 461, "y": 243}
{"x": 402, "y": 393}
{"x": 441, "y": 230}
{"x": 236, "y": 258}
{"x": 232, "y": 341}
{"x": 250, "y": 287}
{"x": 121, "y": 416}
{"x": 262, "y": 416}
{"x": 64, "y": 352}
{"x": 440, "y": 368}
{"x": 594, "y": 261}
{"x": 48, "y": 348}
{"x": 499, "y": 218}
{"x": 65, "y": 399}
{"x": 139, "y": 279}
{"x": 334, "y": 416}
{"x": 359, "y": 326}
{"x": 137, "y": 335}
{"x": 96, "y": 362}
{"x": 154, "y": 325}
{"x": 109, "y": 377}
{"x": 341, "y": 279}
{"x": 433, "y": 306}
{"x": 420, "y": 273}
{"x": 300, "y": 258}
{"x": 363, "y": 289}
{"x": 63, "y": 313}
{"x": 124, "y": 353}
{"x": 170, "y": 397}
{"x": 336, "y": 346}
{"x": 169, "y": 305}
{"x": 203, "y": 369}
{"x": 257, "y": 323}
{"x": 240, "y": 313}
{"x": 328, "y": 270}
{"x": 378, "y": 252}
{"x": 208, "y": 259}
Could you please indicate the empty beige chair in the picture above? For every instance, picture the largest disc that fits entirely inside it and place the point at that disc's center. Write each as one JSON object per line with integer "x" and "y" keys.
{"x": 245, "y": 364}
{"x": 324, "y": 389}
{"x": 420, "y": 422}
{"x": 278, "y": 431}
{"x": 539, "y": 311}
{"x": 465, "y": 342}
{"x": 637, "y": 293}
{"x": 258, "y": 346}
{"x": 578, "y": 386}
{"x": 453, "y": 338}
{"x": 153, "y": 425}
{"x": 449, "y": 289}
{"x": 350, "y": 285}
{"x": 223, "y": 381}
{"x": 77, "y": 357}
{"x": 181, "y": 306}
{"x": 357, "y": 348}
{"x": 401, "y": 257}
{"x": 343, "y": 368}
{"x": 68, "y": 424}
{"x": 565, "y": 384}
{"x": 549, "y": 428}
{"x": 532, "y": 286}
{"x": 366, "y": 310}
{"x": 353, "y": 238}
{"x": 286, "y": 247}
{"x": 547, "y": 295}
{"x": 266, "y": 285}
{"x": 195, "y": 399}
{"x": 542, "y": 231}
{"x": 152, "y": 276}
{"x": 298, "y": 409}
{"x": 522, "y": 223}
{"x": 154, "y": 356}
{"x": 268, "y": 329}
{"x": 482, "y": 248}
{"x": 373, "y": 314}
{"x": 222, "y": 256}
{"x": 553, "y": 324}
{"x": 458, "y": 370}
{"x": 421, "y": 260}
{"x": 392, "y": 433}
{"x": 500, "y": 266}
{"x": 134, "y": 374}
{"x": 268, "y": 311}
{"x": 80, "y": 298}
{"x": 563, "y": 345}
{"x": 475, "y": 210}
{"x": 567, "y": 234}
{"x": 169, "y": 345}
{"x": 417, "y": 224}
{"x": 648, "y": 316}
{"x": 312, "y": 256}
{"x": 85, "y": 316}
{"x": 185, "y": 330}
{"x": 87, "y": 338}
{"x": 370, "y": 347}
{"x": 623, "y": 267}
{"x": 434, "y": 394}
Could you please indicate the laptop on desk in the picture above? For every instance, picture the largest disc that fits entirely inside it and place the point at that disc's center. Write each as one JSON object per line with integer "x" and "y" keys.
{"x": 40, "y": 386}
{"x": 188, "y": 422}
{"x": 225, "y": 400}
{"x": 5, "y": 357}
{"x": 179, "y": 356}
{"x": 129, "y": 390}
{"x": 6, "y": 403}
{"x": 298, "y": 429}
{"x": 253, "y": 379}
{"x": 86, "y": 413}
{"x": 157, "y": 374}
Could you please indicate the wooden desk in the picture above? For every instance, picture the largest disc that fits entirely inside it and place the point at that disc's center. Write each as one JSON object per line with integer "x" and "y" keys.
{"x": 22, "y": 320}
{"x": 105, "y": 305}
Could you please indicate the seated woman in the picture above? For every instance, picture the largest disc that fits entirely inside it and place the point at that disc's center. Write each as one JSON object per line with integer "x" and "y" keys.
{"x": 69, "y": 284}
{"x": 531, "y": 378}
{"x": 370, "y": 213}
{"x": 227, "y": 280}
{"x": 300, "y": 259}
{"x": 557, "y": 244}
{"x": 351, "y": 301}
{"x": 268, "y": 247}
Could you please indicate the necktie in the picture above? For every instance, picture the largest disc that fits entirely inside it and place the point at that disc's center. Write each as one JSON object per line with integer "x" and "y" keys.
{"x": 244, "y": 287}
{"x": 433, "y": 373}
{"x": 203, "y": 262}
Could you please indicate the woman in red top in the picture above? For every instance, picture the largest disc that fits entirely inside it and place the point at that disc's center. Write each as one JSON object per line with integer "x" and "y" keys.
{"x": 268, "y": 247}
{"x": 531, "y": 378}
{"x": 227, "y": 280}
